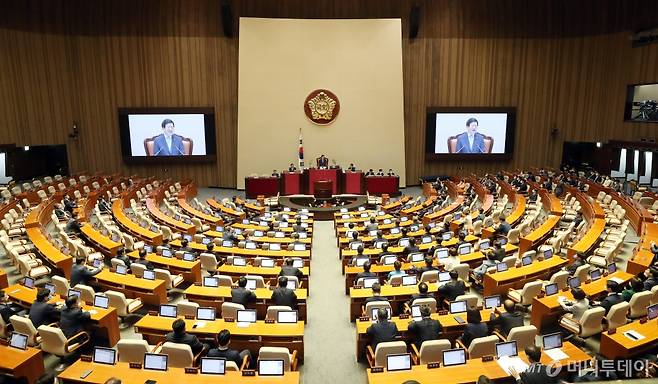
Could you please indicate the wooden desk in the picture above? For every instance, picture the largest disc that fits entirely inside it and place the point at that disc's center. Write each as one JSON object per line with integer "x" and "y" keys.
{"x": 4, "y": 283}
{"x": 153, "y": 206}
{"x": 252, "y": 337}
{"x": 214, "y": 297}
{"x": 620, "y": 346}
{"x": 396, "y": 296}
{"x": 532, "y": 240}
{"x": 469, "y": 372}
{"x": 106, "y": 319}
{"x": 245, "y": 252}
{"x": 268, "y": 273}
{"x": 189, "y": 191}
{"x": 589, "y": 240}
{"x": 102, "y": 372}
{"x": 103, "y": 243}
{"x": 151, "y": 292}
{"x": 26, "y": 364}
{"x": 547, "y": 310}
{"x": 220, "y": 207}
{"x": 499, "y": 283}
{"x": 132, "y": 227}
{"x": 54, "y": 257}
{"x": 643, "y": 256}
{"x": 191, "y": 270}
{"x": 436, "y": 216}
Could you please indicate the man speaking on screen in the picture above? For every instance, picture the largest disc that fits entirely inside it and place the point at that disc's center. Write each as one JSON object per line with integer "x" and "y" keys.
{"x": 470, "y": 141}
{"x": 167, "y": 143}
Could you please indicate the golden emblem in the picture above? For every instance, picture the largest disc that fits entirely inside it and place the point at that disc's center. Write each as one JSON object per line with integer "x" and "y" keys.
{"x": 321, "y": 106}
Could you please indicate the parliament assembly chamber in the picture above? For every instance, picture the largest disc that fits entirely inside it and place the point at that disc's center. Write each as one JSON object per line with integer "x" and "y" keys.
{"x": 365, "y": 191}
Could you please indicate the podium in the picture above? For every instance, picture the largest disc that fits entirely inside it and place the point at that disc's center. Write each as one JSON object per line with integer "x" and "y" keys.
{"x": 323, "y": 189}
{"x": 291, "y": 183}
{"x": 353, "y": 182}
{"x": 266, "y": 186}
{"x": 315, "y": 174}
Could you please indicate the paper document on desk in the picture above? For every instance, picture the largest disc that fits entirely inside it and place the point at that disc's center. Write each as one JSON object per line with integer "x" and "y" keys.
{"x": 242, "y": 324}
{"x": 617, "y": 280}
{"x": 515, "y": 362}
{"x": 92, "y": 311}
{"x": 633, "y": 335}
{"x": 200, "y": 324}
{"x": 556, "y": 354}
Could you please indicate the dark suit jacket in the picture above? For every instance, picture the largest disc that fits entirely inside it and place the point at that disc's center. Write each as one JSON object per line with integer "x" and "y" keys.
{"x": 499, "y": 254}
{"x": 425, "y": 269}
{"x": 288, "y": 270}
{"x": 507, "y": 321}
{"x": 242, "y": 296}
{"x": 536, "y": 374}
{"x": 6, "y": 312}
{"x": 610, "y": 300}
{"x": 364, "y": 274}
{"x": 81, "y": 275}
{"x": 145, "y": 263}
{"x": 420, "y": 296}
{"x": 473, "y": 331}
{"x": 452, "y": 289}
{"x": 228, "y": 354}
{"x": 42, "y": 313}
{"x": 125, "y": 259}
{"x": 73, "y": 321}
{"x": 381, "y": 332}
{"x": 186, "y": 338}
{"x": 463, "y": 146}
{"x": 425, "y": 329}
{"x": 285, "y": 296}
{"x": 160, "y": 147}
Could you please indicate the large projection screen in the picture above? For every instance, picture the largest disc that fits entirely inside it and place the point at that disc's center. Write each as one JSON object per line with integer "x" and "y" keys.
{"x": 281, "y": 61}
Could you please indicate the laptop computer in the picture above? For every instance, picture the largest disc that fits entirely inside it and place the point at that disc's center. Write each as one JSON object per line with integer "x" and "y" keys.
{"x": 552, "y": 340}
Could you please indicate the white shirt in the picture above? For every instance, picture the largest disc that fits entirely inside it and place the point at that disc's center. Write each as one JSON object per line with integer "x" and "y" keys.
{"x": 471, "y": 138}
{"x": 168, "y": 141}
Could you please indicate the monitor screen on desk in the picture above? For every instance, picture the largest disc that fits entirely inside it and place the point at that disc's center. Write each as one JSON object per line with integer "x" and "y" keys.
{"x": 416, "y": 257}
{"x": 121, "y": 269}
{"x": 387, "y": 221}
{"x": 501, "y": 267}
{"x": 458, "y": 306}
{"x": 166, "y": 252}
{"x": 189, "y": 257}
{"x": 251, "y": 284}
{"x": 526, "y": 260}
{"x": 148, "y": 248}
{"x": 250, "y": 245}
{"x": 491, "y": 302}
{"x": 28, "y": 282}
{"x": 303, "y": 235}
{"x": 18, "y": 340}
{"x": 652, "y": 311}
{"x": 484, "y": 245}
{"x": 444, "y": 276}
{"x": 97, "y": 263}
{"x": 548, "y": 254}
{"x": 398, "y": 362}
{"x": 441, "y": 253}
{"x": 464, "y": 249}
{"x": 394, "y": 231}
{"x": 298, "y": 263}
{"x": 213, "y": 365}
{"x": 286, "y": 317}
{"x": 361, "y": 260}
{"x": 403, "y": 242}
{"x": 574, "y": 282}
{"x": 74, "y": 292}
{"x": 187, "y": 237}
{"x": 50, "y": 288}
{"x": 210, "y": 282}
{"x": 506, "y": 349}
{"x": 369, "y": 281}
{"x": 595, "y": 274}
{"x": 206, "y": 240}
{"x": 155, "y": 361}
{"x": 270, "y": 367}
{"x": 101, "y": 301}
{"x": 355, "y": 245}
{"x": 267, "y": 263}
{"x": 168, "y": 310}
{"x": 104, "y": 355}
{"x": 446, "y": 236}
{"x": 389, "y": 260}
{"x": 553, "y": 340}
{"x": 380, "y": 244}
{"x": 409, "y": 280}
{"x": 227, "y": 243}
{"x": 454, "y": 357}
{"x": 291, "y": 284}
{"x": 415, "y": 312}
{"x": 426, "y": 239}
{"x": 275, "y": 247}
{"x": 259, "y": 233}
{"x": 205, "y": 313}
{"x": 279, "y": 234}
{"x": 551, "y": 289}
{"x": 239, "y": 261}
{"x": 612, "y": 268}
{"x": 149, "y": 275}
{"x": 246, "y": 316}
{"x": 299, "y": 247}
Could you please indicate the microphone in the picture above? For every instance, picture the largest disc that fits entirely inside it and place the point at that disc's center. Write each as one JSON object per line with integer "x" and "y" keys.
{"x": 158, "y": 151}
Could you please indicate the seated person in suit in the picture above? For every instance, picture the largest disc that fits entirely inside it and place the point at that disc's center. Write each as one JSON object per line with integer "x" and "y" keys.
{"x": 179, "y": 336}
{"x": 391, "y": 173}
{"x": 366, "y": 272}
{"x": 241, "y": 295}
{"x": 73, "y": 226}
{"x": 142, "y": 260}
{"x": 298, "y": 226}
{"x": 429, "y": 261}
{"x": 397, "y": 271}
{"x": 69, "y": 204}
{"x": 223, "y": 350}
{"x": 41, "y": 312}
{"x": 323, "y": 162}
{"x": 532, "y": 197}
{"x": 486, "y": 264}
{"x": 292, "y": 168}
{"x": 167, "y": 143}
{"x": 537, "y": 373}
{"x": 60, "y": 212}
{"x": 80, "y": 274}
{"x": 379, "y": 238}
{"x": 498, "y": 251}
{"x": 275, "y": 173}
{"x": 73, "y": 319}
{"x": 651, "y": 278}
{"x": 578, "y": 261}
{"x": 474, "y": 328}
{"x": 185, "y": 246}
{"x": 351, "y": 168}
{"x": 380, "y": 172}
{"x": 425, "y": 329}
{"x": 422, "y": 294}
{"x": 614, "y": 296}
{"x": 381, "y": 331}
{"x": 289, "y": 270}
{"x": 634, "y": 286}
{"x": 411, "y": 248}
{"x": 504, "y": 227}
{"x": 284, "y": 295}
{"x": 576, "y": 307}
{"x": 370, "y": 172}
{"x": 372, "y": 225}
{"x": 470, "y": 141}
{"x": 512, "y": 317}
{"x": 121, "y": 255}
{"x": 359, "y": 255}
{"x": 6, "y": 309}
{"x": 376, "y": 294}
{"x": 455, "y": 287}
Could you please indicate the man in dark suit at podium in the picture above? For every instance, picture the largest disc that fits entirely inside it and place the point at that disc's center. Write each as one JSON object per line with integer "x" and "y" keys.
{"x": 167, "y": 143}
{"x": 470, "y": 141}
{"x": 323, "y": 162}
{"x": 292, "y": 168}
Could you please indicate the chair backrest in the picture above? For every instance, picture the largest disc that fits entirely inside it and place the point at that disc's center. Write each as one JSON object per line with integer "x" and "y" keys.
{"x": 524, "y": 336}
{"x": 513, "y": 236}
{"x": 180, "y": 355}
{"x": 462, "y": 270}
{"x": 118, "y": 300}
{"x": 53, "y": 340}
{"x": 137, "y": 269}
{"x": 452, "y": 144}
{"x": 231, "y": 309}
{"x": 231, "y": 366}
{"x": 428, "y": 301}
{"x": 639, "y": 303}
{"x": 582, "y": 271}
{"x": 86, "y": 293}
{"x": 477, "y": 227}
{"x": 273, "y": 310}
{"x": 149, "y": 146}
{"x": 61, "y": 285}
{"x": 260, "y": 282}
{"x": 471, "y": 299}
{"x": 428, "y": 276}
{"x": 276, "y": 353}
{"x": 163, "y": 274}
{"x": 24, "y": 325}
{"x": 560, "y": 278}
{"x": 187, "y": 308}
{"x": 617, "y": 315}
{"x": 208, "y": 261}
{"x": 397, "y": 279}
{"x": 224, "y": 280}
{"x": 590, "y": 322}
{"x": 529, "y": 291}
{"x": 431, "y": 351}
{"x": 132, "y": 350}
{"x": 509, "y": 260}
{"x": 488, "y": 144}
{"x": 482, "y": 346}
{"x": 187, "y": 146}
{"x": 388, "y": 348}
{"x": 377, "y": 304}
{"x": 654, "y": 292}
{"x": 114, "y": 261}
